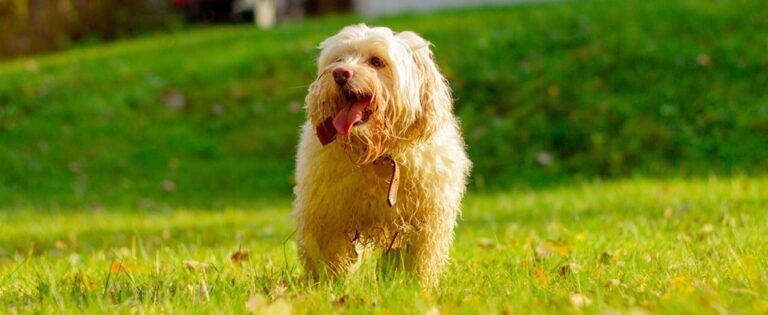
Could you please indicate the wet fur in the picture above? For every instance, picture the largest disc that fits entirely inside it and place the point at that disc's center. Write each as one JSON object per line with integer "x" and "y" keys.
{"x": 339, "y": 201}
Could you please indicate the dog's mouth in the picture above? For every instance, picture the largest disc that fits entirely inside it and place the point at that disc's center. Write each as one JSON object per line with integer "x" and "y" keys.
{"x": 354, "y": 112}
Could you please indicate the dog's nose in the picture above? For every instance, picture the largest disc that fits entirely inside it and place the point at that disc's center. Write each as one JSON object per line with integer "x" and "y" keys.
{"x": 342, "y": 75}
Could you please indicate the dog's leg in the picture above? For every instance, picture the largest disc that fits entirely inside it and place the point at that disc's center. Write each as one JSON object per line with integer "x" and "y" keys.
{"x": 430, "y": 248}
{"x": 326, "y": 255}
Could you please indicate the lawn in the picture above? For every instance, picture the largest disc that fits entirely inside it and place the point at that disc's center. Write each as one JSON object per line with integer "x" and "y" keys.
{"x": 620, "y": 153}
{"x": 642, "y": 246}
{"x": 544, "y": 92}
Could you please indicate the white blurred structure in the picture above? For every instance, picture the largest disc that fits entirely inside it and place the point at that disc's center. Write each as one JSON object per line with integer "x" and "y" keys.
{"x": 268, "y": 12}
{"x": 265, "y": 13}
{"x": 381, "y": 7}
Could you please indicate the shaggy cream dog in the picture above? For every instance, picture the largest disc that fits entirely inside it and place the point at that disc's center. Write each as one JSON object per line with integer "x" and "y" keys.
{"x": 381, "y": 161}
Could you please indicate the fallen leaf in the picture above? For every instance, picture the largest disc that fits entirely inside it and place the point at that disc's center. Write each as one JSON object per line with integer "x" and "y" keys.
{"x": 486, "y": 243}
{"x": 679, "y": 284}
{"x": 550, "y": 248}
{"x": 280, "y": 288}
{"x": 169, "y": 185}
{"x": 240, "y": 256}
{"x": 544, "y": 158}
{"x": 174, "y": 99}
{"x": 570, "y": 268}
{"x": 341, "y": 300}
{"x": 613, "y": 283}
{"x": 606, "y": 258}
{"x": 703, "y": 60}
{"x": 580, "y": 300}
{"x": 60, "y": 245}
{"x": 217, "y": 109}
{"x": 294, "y": 106}
{"x": 195, "y": 265}
{"x": 120, "y": 267}
{"x": 540, "y": 275}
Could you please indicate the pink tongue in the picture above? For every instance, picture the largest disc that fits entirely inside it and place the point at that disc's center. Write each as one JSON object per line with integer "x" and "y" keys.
{"x": 349, "y": 115}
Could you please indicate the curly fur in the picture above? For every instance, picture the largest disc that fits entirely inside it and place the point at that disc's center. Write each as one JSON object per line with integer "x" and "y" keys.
{"x": 339, "y": 201}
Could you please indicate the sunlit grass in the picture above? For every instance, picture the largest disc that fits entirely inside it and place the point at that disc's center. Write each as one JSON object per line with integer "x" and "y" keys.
{"x": 543, "y": 91}
{"x": 666, "y": 246}
{"x": 132, "y": 172}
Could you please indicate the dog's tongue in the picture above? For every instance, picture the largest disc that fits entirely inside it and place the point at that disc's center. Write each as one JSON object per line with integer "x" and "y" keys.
{"x": 349, "y": 115}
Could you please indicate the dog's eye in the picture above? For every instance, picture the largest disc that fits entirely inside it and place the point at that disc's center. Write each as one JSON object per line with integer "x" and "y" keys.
{"x": 376, "y": 62}
{"x": 339, "y": 60}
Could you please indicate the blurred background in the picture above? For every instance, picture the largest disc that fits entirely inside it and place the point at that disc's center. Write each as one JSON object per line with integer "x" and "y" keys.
{"x": 151, "y": 103}
{"x": 34, "y": 26}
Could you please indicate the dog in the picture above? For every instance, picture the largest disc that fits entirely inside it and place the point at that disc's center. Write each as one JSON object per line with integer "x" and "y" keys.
{"x": 381, "y": 161}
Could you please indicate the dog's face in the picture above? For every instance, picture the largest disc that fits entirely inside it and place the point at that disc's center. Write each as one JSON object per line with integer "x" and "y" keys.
{"x": 373, "y": 87}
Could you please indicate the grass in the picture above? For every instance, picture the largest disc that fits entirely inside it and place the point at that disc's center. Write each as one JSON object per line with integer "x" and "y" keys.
{"x": 131, "y": 172}
{"x": 672, "y": 246}
{"x": 544, "y": 91}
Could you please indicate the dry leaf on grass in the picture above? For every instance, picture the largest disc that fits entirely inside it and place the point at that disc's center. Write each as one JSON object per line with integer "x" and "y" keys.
{"x": 570, "y": 268}
{"x": 60, "y": 245}
{"x": 120, "y": 267}
{"x": 341, "y": 301}
{"x": 195, "y": 265}
{"x": 580, "y": 300}
{"x": 280, "y": 288}
{"x": 615, "y": 283}
{"x": 540, "y": 275}
{"x": 486, "y": 243}
{"x": 551, "y": 248}
{"x": 607, "y": 257}
{"x": 707, "y": 228}
{"x": 240, "y": 256}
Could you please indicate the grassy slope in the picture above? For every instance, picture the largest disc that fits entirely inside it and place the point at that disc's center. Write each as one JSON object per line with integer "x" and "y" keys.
{"x": 661, "y": 246}
{"x": 604, "y": 88}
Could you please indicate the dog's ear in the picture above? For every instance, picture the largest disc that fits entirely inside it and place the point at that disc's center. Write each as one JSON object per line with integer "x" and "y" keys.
{"x": 435, "y": 95}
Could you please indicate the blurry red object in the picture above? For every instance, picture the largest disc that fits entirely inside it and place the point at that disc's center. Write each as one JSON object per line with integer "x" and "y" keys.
{"x": 181, "y": 3}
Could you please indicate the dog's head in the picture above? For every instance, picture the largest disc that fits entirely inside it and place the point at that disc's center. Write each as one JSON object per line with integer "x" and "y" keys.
{"x": 374, "y": 89}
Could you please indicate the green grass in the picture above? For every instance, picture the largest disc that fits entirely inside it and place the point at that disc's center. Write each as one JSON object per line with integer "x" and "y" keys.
{"x": 672, "y": 246}
{"x": 113, "y": 191}
{"x": 604, "y": 88}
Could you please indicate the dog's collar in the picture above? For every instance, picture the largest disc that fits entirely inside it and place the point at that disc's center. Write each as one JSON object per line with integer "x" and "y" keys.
{"x": 386, "y": 167}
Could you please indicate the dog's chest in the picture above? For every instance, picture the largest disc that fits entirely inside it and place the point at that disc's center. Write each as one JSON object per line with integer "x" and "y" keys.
{"x": 375, "y": 182}
{"x": 366, "y": 188}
